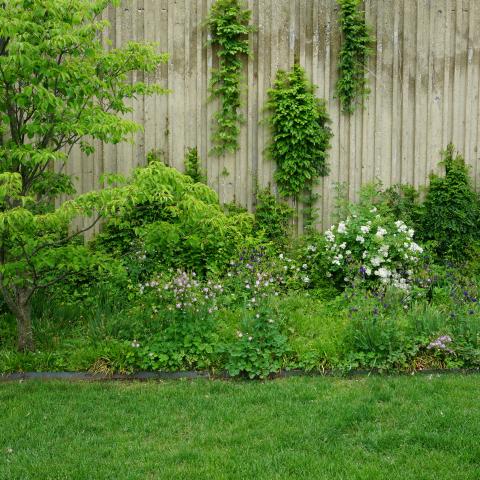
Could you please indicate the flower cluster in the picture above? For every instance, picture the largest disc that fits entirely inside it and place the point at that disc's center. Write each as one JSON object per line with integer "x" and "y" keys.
{"x": 185, "y": 293}
{"x": 252, "y": 278}
{"x": 441, "y": 343}
{"x": 372, "y": 248}
{"x": 256, "y": 275}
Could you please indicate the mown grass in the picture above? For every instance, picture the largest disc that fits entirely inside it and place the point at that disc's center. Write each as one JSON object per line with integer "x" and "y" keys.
{"x": 424, "y": 427}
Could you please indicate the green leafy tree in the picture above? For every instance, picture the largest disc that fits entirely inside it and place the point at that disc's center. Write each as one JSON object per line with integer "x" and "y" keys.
{"x": 58, "y": 87}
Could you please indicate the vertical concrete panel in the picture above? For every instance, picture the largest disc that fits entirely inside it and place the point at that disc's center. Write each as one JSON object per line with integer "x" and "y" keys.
{"x": 424, "y": 76}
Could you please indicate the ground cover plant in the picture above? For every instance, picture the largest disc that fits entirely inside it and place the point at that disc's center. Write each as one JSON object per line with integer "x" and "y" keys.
{"x": 361, "y": 428}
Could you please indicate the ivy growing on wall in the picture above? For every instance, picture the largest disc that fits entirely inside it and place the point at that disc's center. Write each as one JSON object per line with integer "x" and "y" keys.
{"x": 300, "y": 132}
{"x": 229, "y": 27}
{"x": 352, "y": 86}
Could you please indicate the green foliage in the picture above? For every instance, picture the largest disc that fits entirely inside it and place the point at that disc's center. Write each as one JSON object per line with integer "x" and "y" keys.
{"x": 352, "y": 85}
{"x": 58, "y": 88}
{"x": 300, "y": 132}
{"x": 272, "y": 217}
{"x": 228, "y": 24}
{"x": 403, "y": 201}
{"x": 193, "y": 166}
{"x": 310, "y": 211}
{"x": 175, "y": 223}
{"x": 451, "y": 209}
{"x": 260, "y": 347}
{"x": 391, "y": 330}
{"x": 184, "y": 346}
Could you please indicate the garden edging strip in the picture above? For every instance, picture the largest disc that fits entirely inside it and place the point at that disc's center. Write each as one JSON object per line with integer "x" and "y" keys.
{"x": 192, "y": 375}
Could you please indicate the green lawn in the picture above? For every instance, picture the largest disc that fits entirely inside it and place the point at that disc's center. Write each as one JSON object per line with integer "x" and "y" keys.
{"x": 424, "y": 427}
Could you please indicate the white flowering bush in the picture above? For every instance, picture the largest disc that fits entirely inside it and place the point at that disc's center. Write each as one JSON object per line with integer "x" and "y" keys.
{"x": 371, "y": 246}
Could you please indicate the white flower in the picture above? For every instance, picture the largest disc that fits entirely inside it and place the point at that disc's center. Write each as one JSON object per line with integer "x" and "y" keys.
{"x": 360, "y": 239}
{"x": 135, "y": 344}
{"x": 348, "y": 252}
{"x": 329, "y": 236}
{"x": 281, "y": 256}
{"x": 342, "y": 228}
{"x": 383, "y": 250}
{"x": 383, "y": 273}
{"x": 364, "y": 229}
{"x": 401, "y": 226}
{"x": 411, "y": 232}
{"x": 239, "y": 334}
{"x": 364, "y": 254}
{"x": 343, "y": 246}
{"x": 270, "y": 320}
{"x": 304, "y": 266}
{"x": 376, "y": 261}
{"x": 373, "y": 210}
{"x": 250, "y": 339}
{"x": 368, "y": 271}
{"x": 312, "y": 248}
{"x": 416, "y": 248}
{"x": 306, "y": 279}
{"x": 380, "y": 232}
{"x": 328, "y": 274}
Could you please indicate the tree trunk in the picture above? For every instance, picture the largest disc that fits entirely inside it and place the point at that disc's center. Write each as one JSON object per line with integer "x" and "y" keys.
{"x": 24, "y": 324}
{"x": 18, "y": 301}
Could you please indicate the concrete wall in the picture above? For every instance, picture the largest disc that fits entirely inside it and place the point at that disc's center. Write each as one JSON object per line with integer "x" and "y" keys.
{"x": 424, "y": 78}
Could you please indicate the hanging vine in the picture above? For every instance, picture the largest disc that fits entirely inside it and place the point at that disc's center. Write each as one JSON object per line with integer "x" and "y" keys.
{"x": 300, "y": 132}
{"x": 229, "y": 27}
{"x": 352, "y": 86}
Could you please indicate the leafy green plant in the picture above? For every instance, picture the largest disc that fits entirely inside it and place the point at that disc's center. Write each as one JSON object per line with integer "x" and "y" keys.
{"x": 183, "y": 346}
{"x": 451, "y": 209}
{"x": 58, "y": 88}
{"x": 259, "y": 349}
{"x": 404, "y": 203}
{"x": 352, "y": 85}
{"x": 182, "y": 226}
{"x": 229, "y": 27}
{"x": 193, "y": 166}
{"x": 272, "y": 217}
{"x": 300, "y": 133}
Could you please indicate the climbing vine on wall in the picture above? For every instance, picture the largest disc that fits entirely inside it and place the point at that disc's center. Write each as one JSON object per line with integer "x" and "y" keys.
{"x": 352, "y": 86}
{"x": 300, "y": 132}
{"x": 229, "y": 27}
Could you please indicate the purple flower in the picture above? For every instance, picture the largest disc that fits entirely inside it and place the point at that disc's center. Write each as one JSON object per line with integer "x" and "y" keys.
{"x": 441, "y": 344}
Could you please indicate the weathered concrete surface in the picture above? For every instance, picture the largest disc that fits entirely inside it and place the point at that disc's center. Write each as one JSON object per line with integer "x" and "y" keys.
{"x": 424, "y": 78}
